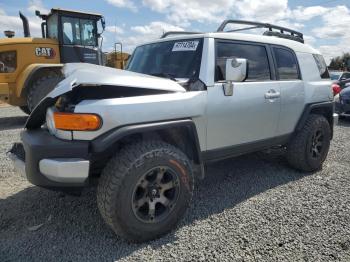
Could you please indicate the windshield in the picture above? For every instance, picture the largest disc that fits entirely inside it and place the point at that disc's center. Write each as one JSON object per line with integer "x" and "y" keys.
{"x": 78, "y": 31}
{"x": 335, "y": 76}
{"x": 171, "y": 59}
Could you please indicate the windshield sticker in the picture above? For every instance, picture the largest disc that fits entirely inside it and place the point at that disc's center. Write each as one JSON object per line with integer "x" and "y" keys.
{"x": 185, "y": 46}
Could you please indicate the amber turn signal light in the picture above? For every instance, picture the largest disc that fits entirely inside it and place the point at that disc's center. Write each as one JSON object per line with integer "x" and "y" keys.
{"x": 77, "y": 122}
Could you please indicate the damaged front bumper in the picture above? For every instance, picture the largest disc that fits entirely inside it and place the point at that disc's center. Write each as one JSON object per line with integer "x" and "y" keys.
{"x": 49, "y": 162}
{"x": 16, "y": 154}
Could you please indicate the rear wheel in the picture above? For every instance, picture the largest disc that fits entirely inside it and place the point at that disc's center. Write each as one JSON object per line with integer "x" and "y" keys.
{"x": 309, "y": 148}
{"x": 145, "y": 190}
{"x": 41, "y": 87}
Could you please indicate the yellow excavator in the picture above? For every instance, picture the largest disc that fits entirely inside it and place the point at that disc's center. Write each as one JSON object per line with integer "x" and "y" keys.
{"x": 117, "y": 58}
{"x": 31, "y": 67}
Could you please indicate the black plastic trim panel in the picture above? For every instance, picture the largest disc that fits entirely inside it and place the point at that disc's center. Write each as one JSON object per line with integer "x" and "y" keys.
{"x": 328, "y": 106}
{"x": 106, "y": 141}
{"x": 241, "y": 149}
{"x": 40, "y": 144}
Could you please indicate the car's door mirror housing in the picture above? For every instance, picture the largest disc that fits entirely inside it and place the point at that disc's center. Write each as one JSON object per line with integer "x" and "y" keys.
{"x": 236, "y": 71}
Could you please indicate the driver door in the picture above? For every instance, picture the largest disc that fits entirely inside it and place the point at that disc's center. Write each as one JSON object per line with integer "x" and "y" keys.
{"x": 250, "y": 116}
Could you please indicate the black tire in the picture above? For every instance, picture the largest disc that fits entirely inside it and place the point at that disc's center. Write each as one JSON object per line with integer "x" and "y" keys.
{"x": 41, "y": 87}
{"x": 119, "y": 183}
{"x": 25, "y": 109}
{"x": 304, "y": 152}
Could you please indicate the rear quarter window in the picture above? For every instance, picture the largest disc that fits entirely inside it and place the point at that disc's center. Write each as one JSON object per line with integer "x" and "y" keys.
{"x": 286, "y": 63}
{"x": 322, "y": 67}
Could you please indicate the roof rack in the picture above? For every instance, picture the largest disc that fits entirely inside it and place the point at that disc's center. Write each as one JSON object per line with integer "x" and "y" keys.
{"x": 293, "y": 35}
{"x": 179, "y": 33}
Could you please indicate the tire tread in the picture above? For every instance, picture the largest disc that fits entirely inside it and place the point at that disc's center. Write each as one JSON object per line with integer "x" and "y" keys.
{"x": 112, "y": 177}
{"x": 296, "y": 148}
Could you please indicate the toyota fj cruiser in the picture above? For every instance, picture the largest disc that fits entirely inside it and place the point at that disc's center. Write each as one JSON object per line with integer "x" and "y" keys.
{"x": 145, "y": 134}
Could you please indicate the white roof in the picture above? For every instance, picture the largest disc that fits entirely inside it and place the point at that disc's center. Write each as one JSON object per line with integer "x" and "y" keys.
{"x": 294, "y": 45}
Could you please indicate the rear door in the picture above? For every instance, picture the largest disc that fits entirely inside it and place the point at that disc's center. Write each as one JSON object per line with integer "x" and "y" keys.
{"x": 292, "y": 88}
{"x": 251, "y": 114}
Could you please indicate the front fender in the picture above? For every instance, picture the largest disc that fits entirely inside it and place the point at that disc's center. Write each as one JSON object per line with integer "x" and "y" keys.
{"x": 106, "y": 142}
{"x": 117, "y": 112}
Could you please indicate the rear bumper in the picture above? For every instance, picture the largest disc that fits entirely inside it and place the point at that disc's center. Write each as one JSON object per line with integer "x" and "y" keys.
{"x": 50, "y": 162}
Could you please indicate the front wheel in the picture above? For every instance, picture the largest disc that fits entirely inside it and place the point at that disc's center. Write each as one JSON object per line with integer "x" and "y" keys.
{"x": 309, "y": 148}
{"x": 145, "y": 190}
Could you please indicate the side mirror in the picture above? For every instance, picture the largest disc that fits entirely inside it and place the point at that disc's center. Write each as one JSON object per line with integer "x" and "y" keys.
{"x": 103, "y": 23}
{"x": 236, "y": 71}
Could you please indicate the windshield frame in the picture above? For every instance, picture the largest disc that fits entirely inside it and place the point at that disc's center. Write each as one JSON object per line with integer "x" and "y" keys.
{"x": 170, "y": 75}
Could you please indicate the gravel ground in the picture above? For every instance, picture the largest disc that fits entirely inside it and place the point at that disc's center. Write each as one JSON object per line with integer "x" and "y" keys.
{"x": 247, "y": 209}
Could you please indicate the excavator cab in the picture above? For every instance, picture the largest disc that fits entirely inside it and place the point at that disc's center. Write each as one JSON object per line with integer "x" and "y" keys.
{"x": 76, "y": 32}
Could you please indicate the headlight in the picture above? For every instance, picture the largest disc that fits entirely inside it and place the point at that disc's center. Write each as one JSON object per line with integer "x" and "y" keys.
{"x": 61, "y": 121}
{"x": 77, "y": 121}
{"x": 8, "y": 61}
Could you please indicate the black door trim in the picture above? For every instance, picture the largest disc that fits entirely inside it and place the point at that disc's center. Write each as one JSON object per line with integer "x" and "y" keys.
{"x": 241, "y": 149}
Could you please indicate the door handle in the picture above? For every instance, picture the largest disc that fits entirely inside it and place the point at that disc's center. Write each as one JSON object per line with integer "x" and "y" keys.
{"x": 272, "y": 94}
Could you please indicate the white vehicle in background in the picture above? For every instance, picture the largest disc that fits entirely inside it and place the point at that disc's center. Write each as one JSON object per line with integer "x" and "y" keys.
{"x": 145, "y": 134}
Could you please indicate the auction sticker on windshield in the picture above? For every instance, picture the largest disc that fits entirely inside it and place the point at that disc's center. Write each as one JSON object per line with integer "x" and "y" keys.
{"x": 185, "y": 46}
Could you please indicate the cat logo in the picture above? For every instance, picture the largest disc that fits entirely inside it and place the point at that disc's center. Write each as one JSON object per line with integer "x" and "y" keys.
{"x": 47, "y": 52}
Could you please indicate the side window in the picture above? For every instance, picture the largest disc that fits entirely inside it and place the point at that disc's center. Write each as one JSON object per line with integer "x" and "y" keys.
{"x": 322, "y": 67}
{"x": 287, "y": 68}
{"x": 87, "y": 32}
{"x": 258, "y": 63}
{"x": 52, "y": 26}
{"x": 8, "y": 61}
{"x": 71, "y": 31}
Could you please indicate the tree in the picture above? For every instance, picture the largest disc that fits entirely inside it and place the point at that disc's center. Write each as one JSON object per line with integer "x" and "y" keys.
{"x": 340, "y": 62}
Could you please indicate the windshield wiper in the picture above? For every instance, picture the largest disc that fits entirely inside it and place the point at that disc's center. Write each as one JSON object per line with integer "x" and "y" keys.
{"x": 166, "y": 75}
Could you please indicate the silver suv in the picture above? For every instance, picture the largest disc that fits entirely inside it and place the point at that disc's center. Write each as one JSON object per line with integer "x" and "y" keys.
{"x": 145, "y": 134}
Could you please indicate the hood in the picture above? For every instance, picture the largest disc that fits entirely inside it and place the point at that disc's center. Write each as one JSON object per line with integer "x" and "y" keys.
{"x": 85, "y": 75}
{"x": 89, "y": 74}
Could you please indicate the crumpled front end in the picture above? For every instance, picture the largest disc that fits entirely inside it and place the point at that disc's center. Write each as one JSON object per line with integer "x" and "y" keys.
{"x": 87, "y": 81}
{"x": 59, "y": 132}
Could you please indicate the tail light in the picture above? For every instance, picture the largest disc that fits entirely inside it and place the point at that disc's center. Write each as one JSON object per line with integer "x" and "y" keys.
{"x": 336, "y": 89}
